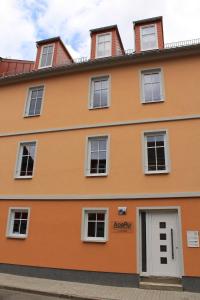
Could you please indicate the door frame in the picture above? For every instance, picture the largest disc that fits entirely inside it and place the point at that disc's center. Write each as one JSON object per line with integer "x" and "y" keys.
{"x": 138, "y": 235}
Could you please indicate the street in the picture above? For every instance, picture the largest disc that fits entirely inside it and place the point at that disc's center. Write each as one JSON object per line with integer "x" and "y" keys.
{"x": 14, "y": 295}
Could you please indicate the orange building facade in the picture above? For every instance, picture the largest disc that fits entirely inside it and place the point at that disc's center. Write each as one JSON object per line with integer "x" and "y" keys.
{"x": 100, "y": 168}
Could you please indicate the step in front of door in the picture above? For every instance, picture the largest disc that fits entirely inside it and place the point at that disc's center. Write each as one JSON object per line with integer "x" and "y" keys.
{"x": 160, "y": 283}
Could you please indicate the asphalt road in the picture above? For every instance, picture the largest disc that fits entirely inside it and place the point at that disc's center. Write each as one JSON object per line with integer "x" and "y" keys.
{"x": 14, "y": 295}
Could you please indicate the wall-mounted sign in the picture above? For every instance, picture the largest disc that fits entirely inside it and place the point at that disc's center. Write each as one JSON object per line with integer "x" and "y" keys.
{"x": 193, "y": 239}
{"x": 120, "y": 226}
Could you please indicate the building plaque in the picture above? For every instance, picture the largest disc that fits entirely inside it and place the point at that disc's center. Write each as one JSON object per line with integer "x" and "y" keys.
{"x": 193, "y": 239}
{"x": 122, "y": 226}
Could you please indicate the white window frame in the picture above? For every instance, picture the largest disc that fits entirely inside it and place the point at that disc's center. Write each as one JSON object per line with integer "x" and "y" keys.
{"x": 28, "y": 101}
{"x": 97, "y": 38}
{"x": 91, "y": 90}
{"x": 84, "y": 225}
{"x": 88, "y": 156}
{"x": 10, "y": 222}
{"x": 156, "y": 36}
{"x": 42, "y": 47}
{"x": 145, "y": 154}
{"x": 142, "y": 92}
{"x": 19, "y": 160}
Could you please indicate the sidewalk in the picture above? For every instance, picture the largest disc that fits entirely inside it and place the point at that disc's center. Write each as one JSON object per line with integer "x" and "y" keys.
{"x": 84, "y": 291}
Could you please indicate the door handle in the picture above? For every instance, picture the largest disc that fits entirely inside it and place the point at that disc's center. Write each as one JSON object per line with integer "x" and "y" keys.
{"x": 172, "y": 242}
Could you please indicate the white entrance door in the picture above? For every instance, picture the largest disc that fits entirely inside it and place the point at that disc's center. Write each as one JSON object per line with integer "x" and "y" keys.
{"x": 163, "y": 253}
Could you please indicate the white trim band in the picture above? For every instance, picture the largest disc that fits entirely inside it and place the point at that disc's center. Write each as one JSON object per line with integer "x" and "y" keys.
{"x": 101, "y": 125}
{"x": 101, "y": 196}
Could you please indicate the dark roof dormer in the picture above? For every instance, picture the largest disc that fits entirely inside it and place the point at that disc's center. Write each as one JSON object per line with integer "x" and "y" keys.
{"x": 148, "y": 34}
{"x": 51, "y": 52}
{"x": 106, "y": 41}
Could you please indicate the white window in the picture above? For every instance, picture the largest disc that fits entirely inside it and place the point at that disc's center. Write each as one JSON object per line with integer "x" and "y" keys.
{"x": 46, "y": 56}
{"x": 34, "y": 101}
{"x": 26, "y": 160}
{"x": 103, "y": 42}
{"x": 95, "y": 225}
{"x": 156, "y": 152}
{"x": 152, "y": 87}
{"x": 99, "y": 94}
{"x": 97, "y": 156}
{"x": 18, "y": 219}
{"x": 148, "y": 36}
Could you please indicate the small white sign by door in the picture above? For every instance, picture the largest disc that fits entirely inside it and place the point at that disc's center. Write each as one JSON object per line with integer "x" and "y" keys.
{"x": 193, "y": 239}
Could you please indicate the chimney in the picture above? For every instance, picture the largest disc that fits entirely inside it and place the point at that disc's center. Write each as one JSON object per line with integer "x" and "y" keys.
{"x": 106, "y": 41}
{"x": 148, "y": 34}
{"x": 50, "y": 53}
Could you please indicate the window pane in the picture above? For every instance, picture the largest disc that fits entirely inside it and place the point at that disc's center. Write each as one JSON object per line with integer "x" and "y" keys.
{"x": 40, "y": 93}
{"x": 102, "y": 166}
{"x": 156, "y": 91}
{"x": 151, "y": 159}
{"x": 97, "y": 85}
{"x": 94, "y": 144}
{"x": 148, "y": 30}
{"x": 43, "y": 60}
{"x": 48, "y": 61}
{"x": 100, "y": 229}
{"x": 23, "y": 227}
{"x": 91, "y": 229}
{"x": 148, "y": 92}
{"x": 25, "y": 150}
{"x": 151, "y": 141}
{"x": 34, "y": 94}
{"x": 104, "y": 84}
{"x": 94, "y": 155}
{"x": 160, "y": 140}
{"x": 32, "y": 107}
{"x": 104, "y": 97}
{"x": 100, "y": 216}
{"x": 38, "y": 106}
{"x": 102, "y": 155}
{"x": 17, "y": 215}
{"x": 102, "y": 144}
{"x": 30, "y": 166}
{"x": 97, "y": 99}
{"x": 147, "y": 78}
{"x": 161, "y": 158}
{"x": 45, "y": 48}
{"x": 24, "y": 166}
{"x": 24, "y": 215}
{"x": 149, "y": 41}
{"x": 94, "y": 166}
{"x": 92, "y": 216}
{"x": 107, "y": 37}
{"x": 16, "y": 226}
{"x": 155, "y": 77}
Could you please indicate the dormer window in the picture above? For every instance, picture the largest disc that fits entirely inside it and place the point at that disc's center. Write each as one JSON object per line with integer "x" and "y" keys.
{"x": 103, "y": 42}
{"x": 148, "y": 37}
{"x": 46, "y": 57}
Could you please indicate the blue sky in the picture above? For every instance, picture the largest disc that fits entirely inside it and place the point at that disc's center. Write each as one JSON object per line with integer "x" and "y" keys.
{"x": 23, "y": 22}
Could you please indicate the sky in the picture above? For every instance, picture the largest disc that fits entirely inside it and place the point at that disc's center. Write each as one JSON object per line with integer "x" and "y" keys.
{"x": 23, "y": 22}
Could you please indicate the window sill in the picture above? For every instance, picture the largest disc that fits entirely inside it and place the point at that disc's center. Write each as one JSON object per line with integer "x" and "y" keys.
{"x": 45, "y": 67}
{"x": 20, "y": 237}
{"x": 155, "y": 101}
{"x": 94, "y": 241}
{"x": 97, "y": 175}
{"x": 100, "y": 107}
{"x": 23, "y": 177}
{"x": 156, "y": 172}
{"x": 31, "y": 116}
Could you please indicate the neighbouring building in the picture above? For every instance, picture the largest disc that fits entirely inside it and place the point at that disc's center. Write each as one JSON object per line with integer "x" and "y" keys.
{"x": 100, "y": 167}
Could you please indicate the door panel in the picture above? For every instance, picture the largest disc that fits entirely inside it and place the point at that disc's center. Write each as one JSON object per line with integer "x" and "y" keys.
{"x": 163, "y": 257}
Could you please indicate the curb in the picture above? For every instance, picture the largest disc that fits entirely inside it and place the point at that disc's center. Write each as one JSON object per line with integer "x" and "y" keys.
{"x": 50, "y": 294}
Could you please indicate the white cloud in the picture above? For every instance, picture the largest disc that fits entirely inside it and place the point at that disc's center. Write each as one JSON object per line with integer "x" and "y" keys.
{"x": 25, "y": 21}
